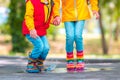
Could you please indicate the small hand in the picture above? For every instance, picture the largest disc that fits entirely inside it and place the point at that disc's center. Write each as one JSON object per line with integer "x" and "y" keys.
{"x": 33, "y": 33}
{"x": 56, "y": 21}
{"x": 96, "y": 14}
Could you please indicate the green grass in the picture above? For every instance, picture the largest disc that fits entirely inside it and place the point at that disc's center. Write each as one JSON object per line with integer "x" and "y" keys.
{"x": 16, "y": 54}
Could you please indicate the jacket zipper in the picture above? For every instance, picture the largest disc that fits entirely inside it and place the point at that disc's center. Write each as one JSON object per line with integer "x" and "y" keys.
{"x": 47, "y": 3}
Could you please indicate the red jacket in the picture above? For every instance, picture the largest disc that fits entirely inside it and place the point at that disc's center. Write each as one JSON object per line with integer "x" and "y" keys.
{"x": 39, "y": 19}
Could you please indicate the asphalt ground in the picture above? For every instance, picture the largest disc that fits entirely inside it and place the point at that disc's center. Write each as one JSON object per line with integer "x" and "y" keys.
{"x": 13, "y": 68}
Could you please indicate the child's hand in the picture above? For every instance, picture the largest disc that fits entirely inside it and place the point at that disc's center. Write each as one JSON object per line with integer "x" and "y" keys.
{"x": 56, "y": 21}
{"x": 33, "y": 33}
{"x": 96, "y": 14}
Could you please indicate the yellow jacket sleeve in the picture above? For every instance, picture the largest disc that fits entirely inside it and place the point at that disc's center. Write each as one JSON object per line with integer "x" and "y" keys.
{"x": 56, "y": 8}
{"x": 29, "y": 19}
{"x": 94, "y": 4}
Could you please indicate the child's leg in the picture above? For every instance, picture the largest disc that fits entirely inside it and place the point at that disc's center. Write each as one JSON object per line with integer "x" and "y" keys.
{"x": 31, "y": 66}
{"x": 69, "y": 27}
{"x": 36, "y": 52}
{"x": 79, "y": 25}
{"x": 38, "y": 47}
{"x": 80, "y": 61}
{"x": 44, "y": 54}
{"x": 40, "y": 64}
{"x": 70, "y": 62}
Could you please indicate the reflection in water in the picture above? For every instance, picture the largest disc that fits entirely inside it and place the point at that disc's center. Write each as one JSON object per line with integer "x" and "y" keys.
{"x": 63, "y": 70}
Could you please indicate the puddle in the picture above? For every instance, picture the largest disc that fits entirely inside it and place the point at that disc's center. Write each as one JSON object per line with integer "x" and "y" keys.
{"x": 63, "y": 70}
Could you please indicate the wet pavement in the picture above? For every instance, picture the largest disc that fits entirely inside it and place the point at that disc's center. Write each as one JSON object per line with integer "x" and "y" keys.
{"x": 13, "y": 68}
